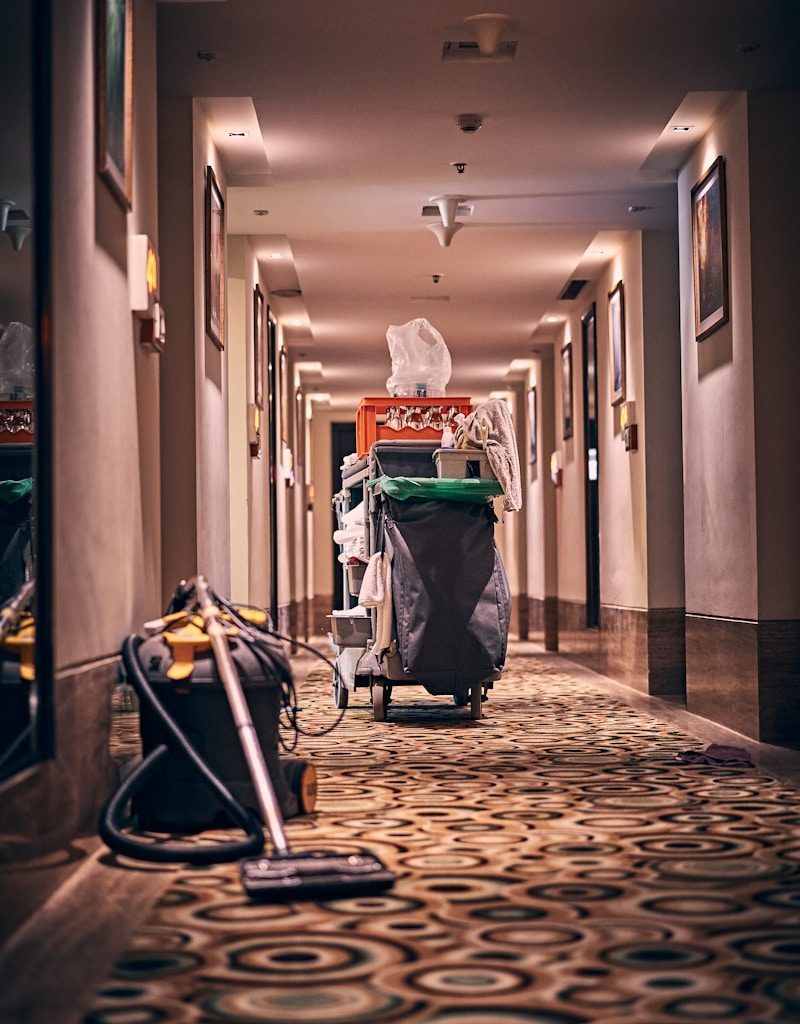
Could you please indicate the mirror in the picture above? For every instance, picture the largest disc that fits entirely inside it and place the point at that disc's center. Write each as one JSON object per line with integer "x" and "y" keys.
{"x": 23, "y": 125}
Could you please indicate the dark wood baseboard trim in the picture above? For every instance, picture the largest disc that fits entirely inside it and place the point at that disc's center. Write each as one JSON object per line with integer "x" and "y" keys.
{"x": 322, "y": 605}
{"x": 54, "y": 801}
{"x": 745, "y": 674}
{"x": 543, "y": 621}
{"x": 642, "y": 649}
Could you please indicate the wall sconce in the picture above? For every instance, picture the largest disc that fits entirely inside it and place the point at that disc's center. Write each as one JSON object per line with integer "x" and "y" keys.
{"x": 627, "y": 423}
{"x": 556, "y": 474}
{"x": 254, "y": 430}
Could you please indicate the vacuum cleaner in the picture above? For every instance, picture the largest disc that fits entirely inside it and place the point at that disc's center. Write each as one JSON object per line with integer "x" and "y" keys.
{"x": 176, "y": 785}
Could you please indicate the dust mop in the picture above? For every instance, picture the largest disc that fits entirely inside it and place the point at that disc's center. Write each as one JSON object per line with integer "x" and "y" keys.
{"x": 283, "y": 874}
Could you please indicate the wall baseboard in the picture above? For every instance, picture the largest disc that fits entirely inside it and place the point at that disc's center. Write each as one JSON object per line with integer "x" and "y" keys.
{"x": 644, "y": 649}
{"x": 745, "y": 674}
{"x": 49, "y": 804}
{"x": 543, "y": 621}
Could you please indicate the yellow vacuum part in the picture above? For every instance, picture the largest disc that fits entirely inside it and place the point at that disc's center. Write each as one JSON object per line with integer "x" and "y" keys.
{"x": 185, "y": 642}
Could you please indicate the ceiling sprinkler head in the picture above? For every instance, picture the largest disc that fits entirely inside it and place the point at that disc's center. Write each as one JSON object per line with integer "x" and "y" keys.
{"x": 436, "y": 278}
{"x": 444, "y": 233}
{"x": 469, "y": 123}
{"x": 460, "y": 166}
{"x": 206, "y": 55}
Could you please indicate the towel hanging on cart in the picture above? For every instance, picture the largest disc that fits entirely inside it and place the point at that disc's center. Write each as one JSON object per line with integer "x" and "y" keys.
{"x": 376, "y": 592}
{"x": 491, "y": 428}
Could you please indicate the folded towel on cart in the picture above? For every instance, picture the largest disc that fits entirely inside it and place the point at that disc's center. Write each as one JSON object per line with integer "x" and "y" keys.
{"x": 491, "y": 428}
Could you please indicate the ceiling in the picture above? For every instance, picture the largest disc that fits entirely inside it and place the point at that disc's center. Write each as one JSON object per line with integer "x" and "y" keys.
{"x": 348, "y": 110}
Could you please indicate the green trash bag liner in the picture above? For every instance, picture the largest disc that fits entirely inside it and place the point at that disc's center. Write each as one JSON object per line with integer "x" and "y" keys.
{"x": 471, "y": 491}
{"x": 14, "y": 490}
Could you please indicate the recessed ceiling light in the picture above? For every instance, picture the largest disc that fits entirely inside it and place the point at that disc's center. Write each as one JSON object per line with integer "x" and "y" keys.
{"x": 297, "y": 323}
{"x": 237, "y": 135}
{"x": 552, "y": 319}
{"x": 682, "y": 127}
{"x": 260, "y": 213}
{"x": 598, "y": 252}
{"x": 276, "y": 255}
{"x": 638, "y": 209}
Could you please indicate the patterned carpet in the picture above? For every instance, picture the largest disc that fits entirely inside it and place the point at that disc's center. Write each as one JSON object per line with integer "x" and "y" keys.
{"x": 556, "y": 865}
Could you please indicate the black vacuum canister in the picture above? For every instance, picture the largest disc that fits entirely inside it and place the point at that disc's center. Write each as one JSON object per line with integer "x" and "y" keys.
{"x": 176, "y": 800}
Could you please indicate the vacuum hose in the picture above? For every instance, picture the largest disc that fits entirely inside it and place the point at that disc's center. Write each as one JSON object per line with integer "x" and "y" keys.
{"x": 113, "y": 816}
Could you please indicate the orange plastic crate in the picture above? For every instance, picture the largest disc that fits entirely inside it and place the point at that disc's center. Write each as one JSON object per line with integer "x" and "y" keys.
{"x": 405, "y": 418}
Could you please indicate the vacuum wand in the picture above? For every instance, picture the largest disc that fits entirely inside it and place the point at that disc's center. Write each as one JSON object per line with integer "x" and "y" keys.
{"x": 262, "y": 783}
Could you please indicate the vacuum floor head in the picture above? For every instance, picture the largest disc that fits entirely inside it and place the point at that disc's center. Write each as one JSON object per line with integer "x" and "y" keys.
{"x": 314, "y": 875}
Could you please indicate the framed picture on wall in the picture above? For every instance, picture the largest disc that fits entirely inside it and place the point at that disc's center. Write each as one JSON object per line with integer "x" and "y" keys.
{"x": 616, "y": 329}
{"x": 215, "y": 261}
{"x": 566, "y": 389}
{"x": 710, "y": 251}
{"x": 259, "y": 332}
{"x": 285, "y": 397}
{"x": 532, "y": 426}
{"x": 114, "y": 93}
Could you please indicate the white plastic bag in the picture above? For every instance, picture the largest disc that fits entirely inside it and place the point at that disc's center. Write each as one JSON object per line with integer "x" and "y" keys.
{"x": 420, "y": 360}
{"x": 16, "y": 362}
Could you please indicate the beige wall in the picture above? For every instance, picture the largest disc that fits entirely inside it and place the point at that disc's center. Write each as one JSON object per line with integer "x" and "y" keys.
{"x": 194, "y": 407}
{"x": 237, "y": 348}
{"x": 106, "y": 396}
{"x": 623, "y": 556}
{"x": 661, "y": 442}
{"x": 718, "y": 409}
{"x": 540, "y": 500}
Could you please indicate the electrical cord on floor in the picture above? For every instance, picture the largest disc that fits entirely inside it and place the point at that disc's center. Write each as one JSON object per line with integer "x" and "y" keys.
{"x": 289, "y": 690}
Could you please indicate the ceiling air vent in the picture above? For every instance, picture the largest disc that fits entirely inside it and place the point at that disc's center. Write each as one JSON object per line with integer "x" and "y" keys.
{"x": 469, "y": 50}
{"x": 432, "y": 210}
{"x": 430, "y": 298}
{"x": 287, "y": 293}
{"x": 573, "y": 288}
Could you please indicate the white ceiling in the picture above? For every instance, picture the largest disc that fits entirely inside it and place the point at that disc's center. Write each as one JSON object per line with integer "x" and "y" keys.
{"x": 350, "y": 110}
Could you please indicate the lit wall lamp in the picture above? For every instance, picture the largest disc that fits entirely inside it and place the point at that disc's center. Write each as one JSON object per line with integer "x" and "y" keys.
{"x": 556, "y": 474}
{"x": 627, "y": 423}
{"x": 143, "y": 289}
{"x": 254, "y": 430}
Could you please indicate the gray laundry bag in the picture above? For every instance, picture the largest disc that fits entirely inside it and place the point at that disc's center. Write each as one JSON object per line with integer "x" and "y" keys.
{"x": 450, "y": 592}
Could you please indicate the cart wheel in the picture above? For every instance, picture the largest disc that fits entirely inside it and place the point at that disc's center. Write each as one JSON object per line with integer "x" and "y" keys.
{"x": 476, "y": 702}
{"x": 340, "y": 692}
{"x": 301, "y": 778}
{"x": 461, "y": 699}
{"x": 381, "y": 695}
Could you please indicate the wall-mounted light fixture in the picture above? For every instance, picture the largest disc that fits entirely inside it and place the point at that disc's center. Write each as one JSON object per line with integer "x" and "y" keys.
{"x": 555, "y": 469}
{"x": 627, "y": 423}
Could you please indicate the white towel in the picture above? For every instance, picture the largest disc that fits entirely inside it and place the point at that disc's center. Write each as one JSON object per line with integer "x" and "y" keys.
{"x": 376, "y": 592}
{"x": 491, "y": 425}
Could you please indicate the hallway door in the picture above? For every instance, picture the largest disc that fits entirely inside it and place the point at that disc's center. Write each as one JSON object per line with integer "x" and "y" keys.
{"x": 343, "y": 442}
{"x": 591, "y": 467}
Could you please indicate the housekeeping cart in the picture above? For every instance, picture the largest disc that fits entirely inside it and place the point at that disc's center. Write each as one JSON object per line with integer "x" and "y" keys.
{"x": 441, "y": 614}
